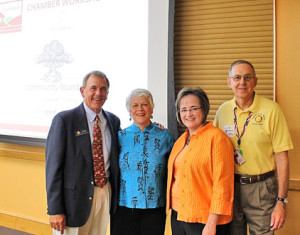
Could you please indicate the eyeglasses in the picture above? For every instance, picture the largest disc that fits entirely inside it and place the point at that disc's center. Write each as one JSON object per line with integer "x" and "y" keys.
{"x": 238, "y": 78}
{"x": 191, "y": 110}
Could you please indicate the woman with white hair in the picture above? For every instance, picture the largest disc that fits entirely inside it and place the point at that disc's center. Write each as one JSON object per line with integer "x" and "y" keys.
{"x": 144, "y": 152}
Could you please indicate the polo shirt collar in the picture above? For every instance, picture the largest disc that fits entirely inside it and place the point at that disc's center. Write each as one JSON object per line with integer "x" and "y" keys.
{"x": 253, "y": 108}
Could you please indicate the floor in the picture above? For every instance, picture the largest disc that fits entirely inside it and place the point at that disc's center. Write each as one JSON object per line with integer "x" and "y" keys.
{"x": 7, "y": 231}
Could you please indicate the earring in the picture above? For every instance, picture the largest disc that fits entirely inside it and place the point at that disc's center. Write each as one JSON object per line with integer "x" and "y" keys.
{"x": 129, "y": 118}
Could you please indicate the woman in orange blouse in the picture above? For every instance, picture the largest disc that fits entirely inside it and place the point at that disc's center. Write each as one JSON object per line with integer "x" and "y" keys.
{"x": 200, "y": 171}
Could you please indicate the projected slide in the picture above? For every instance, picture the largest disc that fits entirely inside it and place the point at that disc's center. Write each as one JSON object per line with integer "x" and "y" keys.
{"x": 47, "y": 46}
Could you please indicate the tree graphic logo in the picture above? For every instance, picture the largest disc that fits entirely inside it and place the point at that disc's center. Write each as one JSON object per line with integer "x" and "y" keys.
{"x": 53, "y": 57}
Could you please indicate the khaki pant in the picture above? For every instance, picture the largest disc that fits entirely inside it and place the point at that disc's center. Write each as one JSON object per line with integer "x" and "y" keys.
{"x": 99, "y": 216}
{"x": 253, "y": 205}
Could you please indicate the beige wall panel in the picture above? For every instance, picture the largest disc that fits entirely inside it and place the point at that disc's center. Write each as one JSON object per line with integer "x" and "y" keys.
{"x": 288, "y": 74}
{"x": 288, "y": 96}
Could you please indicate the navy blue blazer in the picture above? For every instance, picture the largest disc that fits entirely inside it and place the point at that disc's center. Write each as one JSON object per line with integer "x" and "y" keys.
{"x": 69, "y": 165}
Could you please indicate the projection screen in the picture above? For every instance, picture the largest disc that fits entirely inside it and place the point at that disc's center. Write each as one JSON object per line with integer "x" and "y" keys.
{"x": 46, "y": 48}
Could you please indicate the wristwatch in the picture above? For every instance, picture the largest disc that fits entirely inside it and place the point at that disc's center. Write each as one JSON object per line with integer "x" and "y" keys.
{"x": 283, "y": 200}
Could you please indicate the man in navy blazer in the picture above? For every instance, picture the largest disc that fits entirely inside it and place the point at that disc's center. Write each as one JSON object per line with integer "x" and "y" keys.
{"x": 75, "y": 204}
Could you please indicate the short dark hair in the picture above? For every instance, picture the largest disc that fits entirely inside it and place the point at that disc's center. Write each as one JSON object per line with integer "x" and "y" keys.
{"x": 240, "y": 62}
{"x": 95, "y": 73}
{"x": 203, "y": 100}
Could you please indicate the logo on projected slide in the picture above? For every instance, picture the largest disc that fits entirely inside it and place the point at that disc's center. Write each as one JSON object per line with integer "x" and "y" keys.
{"x": 53, "y": 57}
{"x": 11, "y": 16}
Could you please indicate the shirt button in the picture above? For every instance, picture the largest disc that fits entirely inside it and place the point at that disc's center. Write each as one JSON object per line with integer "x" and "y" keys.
{"x": 90, "y": 198}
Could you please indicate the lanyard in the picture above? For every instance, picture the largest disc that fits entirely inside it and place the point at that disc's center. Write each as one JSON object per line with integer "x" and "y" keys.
{"x": 237, "y": 129}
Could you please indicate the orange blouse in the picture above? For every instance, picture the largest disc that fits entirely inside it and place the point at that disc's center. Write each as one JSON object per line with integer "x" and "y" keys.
{"x": 174, "y": 204}
{"x": 206, "y": 176}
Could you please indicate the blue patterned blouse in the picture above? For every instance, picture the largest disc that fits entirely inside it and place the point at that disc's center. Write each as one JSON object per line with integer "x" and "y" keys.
{"x": 143, "y": 166}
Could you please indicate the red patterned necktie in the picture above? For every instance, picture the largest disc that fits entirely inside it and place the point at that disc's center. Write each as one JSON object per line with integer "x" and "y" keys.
{"x": 98, "y": 157}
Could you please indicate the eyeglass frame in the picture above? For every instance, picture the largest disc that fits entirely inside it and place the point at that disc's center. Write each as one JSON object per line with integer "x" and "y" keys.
{"x": 238, "y": 78}
{"x": 191, "y": 110}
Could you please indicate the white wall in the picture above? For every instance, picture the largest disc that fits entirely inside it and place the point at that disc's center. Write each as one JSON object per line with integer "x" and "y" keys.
{"x": 158, "y": 57}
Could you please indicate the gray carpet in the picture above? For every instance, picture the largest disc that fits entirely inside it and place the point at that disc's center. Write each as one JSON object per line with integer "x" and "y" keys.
{"x": 8, "y": 231}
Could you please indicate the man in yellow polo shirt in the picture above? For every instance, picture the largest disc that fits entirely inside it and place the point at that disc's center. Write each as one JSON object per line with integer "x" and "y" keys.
{"x": 261, "y": 139}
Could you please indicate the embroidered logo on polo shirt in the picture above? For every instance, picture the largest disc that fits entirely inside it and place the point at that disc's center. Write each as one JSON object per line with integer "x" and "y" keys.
{"x": 259, "y": 119}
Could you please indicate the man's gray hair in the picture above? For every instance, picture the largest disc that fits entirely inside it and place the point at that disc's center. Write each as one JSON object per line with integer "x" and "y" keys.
{"x": 240, "y": 62}
{"x": 97, "y": 74}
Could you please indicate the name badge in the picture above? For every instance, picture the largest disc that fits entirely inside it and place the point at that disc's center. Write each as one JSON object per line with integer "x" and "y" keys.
{"x": 238, "y": 157}
{"x": 82, "y": 132}
{"x": 229, "y": 130}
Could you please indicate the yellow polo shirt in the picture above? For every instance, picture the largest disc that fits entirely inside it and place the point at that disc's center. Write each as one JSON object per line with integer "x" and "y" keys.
{"x": 267, "y": 133}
